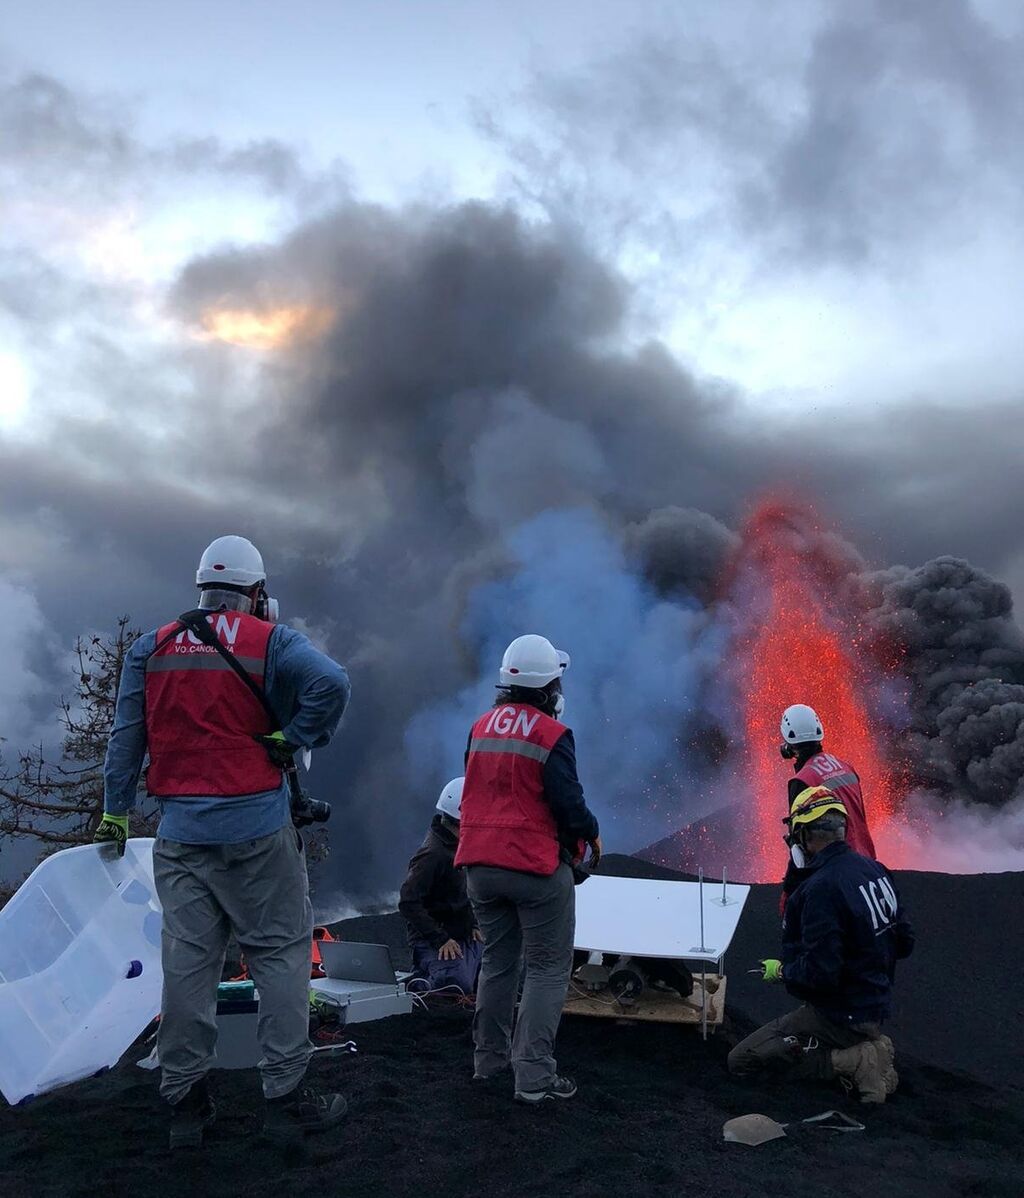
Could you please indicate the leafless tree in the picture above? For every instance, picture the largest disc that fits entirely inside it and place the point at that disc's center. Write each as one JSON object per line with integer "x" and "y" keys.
{"x": 59, "y": 803}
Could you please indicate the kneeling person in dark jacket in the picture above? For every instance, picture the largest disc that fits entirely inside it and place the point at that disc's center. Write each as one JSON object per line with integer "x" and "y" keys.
{"x": 443, "y": 936}
{"x": 843, "y": 931}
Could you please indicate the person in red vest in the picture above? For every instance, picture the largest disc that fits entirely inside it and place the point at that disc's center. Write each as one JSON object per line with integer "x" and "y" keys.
{"x": 525, "y": 826}
{"x": 227, "y": 859}
{"x": 802, "y": 738}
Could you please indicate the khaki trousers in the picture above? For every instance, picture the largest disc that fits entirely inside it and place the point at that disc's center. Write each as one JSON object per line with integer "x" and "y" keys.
{"x": 259, "y": 891}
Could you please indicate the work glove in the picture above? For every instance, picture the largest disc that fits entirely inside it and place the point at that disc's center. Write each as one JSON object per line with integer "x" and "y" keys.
{"x": 280, "y": 751}
{"x": 113, "y": 829}
{"x": 771, "y": 970}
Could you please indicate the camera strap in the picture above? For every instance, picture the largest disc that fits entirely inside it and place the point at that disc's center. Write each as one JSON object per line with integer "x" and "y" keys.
{"x": 195, "y": 621}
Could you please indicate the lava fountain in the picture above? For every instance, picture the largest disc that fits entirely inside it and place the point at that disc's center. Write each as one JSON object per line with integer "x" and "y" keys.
{"x": 799, "y": 639}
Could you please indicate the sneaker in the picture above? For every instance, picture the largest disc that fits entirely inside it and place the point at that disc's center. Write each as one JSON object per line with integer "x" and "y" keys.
{"x": 191, "y": 1116}
{"x": 887, "y": 1059}
{"x": 304, "y": 1111}
{"x": 559, "y": 1087}
{"x": 864, "y": 1065}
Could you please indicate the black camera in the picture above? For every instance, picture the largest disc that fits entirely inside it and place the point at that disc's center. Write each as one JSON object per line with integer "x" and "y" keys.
{"x": 306, "y": 811}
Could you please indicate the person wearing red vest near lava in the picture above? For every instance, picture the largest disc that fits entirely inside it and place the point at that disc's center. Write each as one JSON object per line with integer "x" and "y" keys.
{"x": 227, "y": 859}
{"x": 524, "y": 827}
{"x": 802, "y": 737}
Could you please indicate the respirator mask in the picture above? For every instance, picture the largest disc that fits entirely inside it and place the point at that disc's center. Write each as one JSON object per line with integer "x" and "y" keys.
{"x": 558, "y": 706}
{"x": 787, "y": 752}
{"x": 266, "y": 608}
{"x": 796, "y": 850}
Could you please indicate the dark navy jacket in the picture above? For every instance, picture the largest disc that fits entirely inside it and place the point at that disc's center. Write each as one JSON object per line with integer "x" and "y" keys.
{"x": 843, "y": 931}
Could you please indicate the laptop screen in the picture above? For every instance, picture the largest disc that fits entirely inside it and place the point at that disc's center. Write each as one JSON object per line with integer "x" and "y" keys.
{"x": 351, "y": 962}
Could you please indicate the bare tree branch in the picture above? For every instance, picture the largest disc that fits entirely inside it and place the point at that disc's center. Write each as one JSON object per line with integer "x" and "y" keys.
{"x": 60, "y": 803}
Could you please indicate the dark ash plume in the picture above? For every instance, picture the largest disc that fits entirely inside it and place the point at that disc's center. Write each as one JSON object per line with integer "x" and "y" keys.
{"x": 965, "y": 660}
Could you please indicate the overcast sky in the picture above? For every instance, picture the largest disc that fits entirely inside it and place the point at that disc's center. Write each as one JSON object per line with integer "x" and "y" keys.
{"x": 719, "y": 247}
{"x": 820, "y": 199}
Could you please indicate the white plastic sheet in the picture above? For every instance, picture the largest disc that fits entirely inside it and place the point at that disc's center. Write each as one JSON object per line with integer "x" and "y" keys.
{"x": 642, "y": 918}
{"x": 80, "y": 974}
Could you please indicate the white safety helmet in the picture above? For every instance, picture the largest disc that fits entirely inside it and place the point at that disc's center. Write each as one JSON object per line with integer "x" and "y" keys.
{"x": 801, "y": 726}
{"x": 532, "y": 661}
{"x": 450, "y": 802}
{"x": 231, "y": 561}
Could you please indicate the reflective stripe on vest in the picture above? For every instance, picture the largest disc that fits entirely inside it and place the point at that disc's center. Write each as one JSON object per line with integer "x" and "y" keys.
{"x": 506, "y": 821}
{"x": 157, "y": 665}
{"x": 201, "y": 719}
{"x": 842, "y": 780}
{"x": 521, "y": 748}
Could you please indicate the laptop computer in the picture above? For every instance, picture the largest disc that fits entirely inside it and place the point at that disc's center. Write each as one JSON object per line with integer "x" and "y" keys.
{"x": 350, "y": 962}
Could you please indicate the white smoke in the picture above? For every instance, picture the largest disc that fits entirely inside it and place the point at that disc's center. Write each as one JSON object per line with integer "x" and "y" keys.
{"x": 335, "y": 909}
{"x": 25, "y": 644}
{"x": 952, "y": 837}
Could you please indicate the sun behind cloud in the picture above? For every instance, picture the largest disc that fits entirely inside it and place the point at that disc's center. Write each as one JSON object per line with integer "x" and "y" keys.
{"x": 266, "y": 328}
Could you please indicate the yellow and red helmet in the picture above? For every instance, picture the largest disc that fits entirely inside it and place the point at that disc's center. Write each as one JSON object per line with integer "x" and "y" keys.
{"x": 811, "y": 804}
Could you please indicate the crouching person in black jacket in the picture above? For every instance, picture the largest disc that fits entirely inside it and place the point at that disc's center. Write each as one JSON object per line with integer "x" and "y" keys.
{"x": 445, "y": 941}
{"x": 843, "y": 931}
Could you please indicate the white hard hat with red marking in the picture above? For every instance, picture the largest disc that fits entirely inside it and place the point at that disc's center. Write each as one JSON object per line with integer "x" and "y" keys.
{"x": 231, "y": 561}
{"x": 532, "y": 661}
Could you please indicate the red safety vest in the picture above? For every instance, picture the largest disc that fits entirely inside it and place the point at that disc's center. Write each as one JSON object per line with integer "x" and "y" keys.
{"x": 201, "y": 719}
{"x": 505, "y": 820}
{"x": 842, "y": 780}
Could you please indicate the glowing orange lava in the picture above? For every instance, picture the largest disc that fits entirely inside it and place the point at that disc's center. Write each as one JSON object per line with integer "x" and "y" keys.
{"x": 799, "y": 642}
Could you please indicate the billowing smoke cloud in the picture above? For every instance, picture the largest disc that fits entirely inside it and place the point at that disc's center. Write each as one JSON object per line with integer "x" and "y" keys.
{"x": 681, "y": 551}
{"x": 965, "y": 659}
{"x": 474, "y": 448}
{"x": 633, "y": 691}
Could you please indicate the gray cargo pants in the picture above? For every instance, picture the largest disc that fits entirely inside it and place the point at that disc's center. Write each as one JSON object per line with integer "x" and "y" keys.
{"x": 797, "y": 1045}
{"x": 258, "y": 890}
{"x": 520, "y": 912}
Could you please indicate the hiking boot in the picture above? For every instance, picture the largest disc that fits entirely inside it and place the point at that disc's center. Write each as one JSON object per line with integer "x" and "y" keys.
{"x": 558, "y": 1087}
{"x": 887, "y": 1059}
{"x": 865, "y": 1067}
{"x": 191, "y": 1116}
{"x": 301, "y": 1112}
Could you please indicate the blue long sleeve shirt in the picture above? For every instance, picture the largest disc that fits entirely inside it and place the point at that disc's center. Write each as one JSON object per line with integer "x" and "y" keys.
{"x": 304, "y": 686}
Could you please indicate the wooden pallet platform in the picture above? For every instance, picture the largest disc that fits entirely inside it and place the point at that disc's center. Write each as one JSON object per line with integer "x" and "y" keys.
{"x": 654, "y": 1006}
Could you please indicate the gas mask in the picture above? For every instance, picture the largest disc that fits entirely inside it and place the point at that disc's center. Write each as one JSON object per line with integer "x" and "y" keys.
{"x": 787, "y": 752}
{"x": 266, "y": 608}
{"x": 797, "y": 853}
{"x": 559, "y": 705}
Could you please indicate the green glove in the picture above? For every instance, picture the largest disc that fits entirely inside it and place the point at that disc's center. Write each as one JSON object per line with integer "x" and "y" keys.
{"x": 279, "y": 750}
{"x": 113, "y": 829}
{"x": 771, "y": 970}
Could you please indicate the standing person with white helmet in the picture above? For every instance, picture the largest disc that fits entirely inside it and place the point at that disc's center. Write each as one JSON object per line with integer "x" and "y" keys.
{"x": 525, "y": 824}
{"x": 228, "y": 859}
{"x": 443, "y": 933}
{"x": 802, "y": 738}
